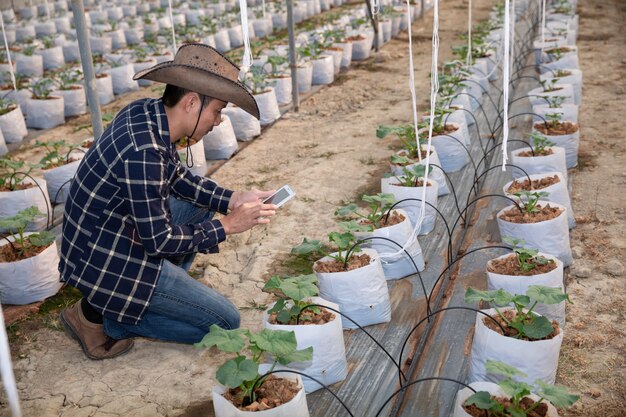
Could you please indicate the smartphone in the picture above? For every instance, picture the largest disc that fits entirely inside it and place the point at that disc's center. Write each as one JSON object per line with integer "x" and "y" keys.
{"x": 281, "y": 196}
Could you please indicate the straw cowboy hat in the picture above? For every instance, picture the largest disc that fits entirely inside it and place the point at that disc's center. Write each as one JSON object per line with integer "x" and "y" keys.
{"x": 202, "y": 69}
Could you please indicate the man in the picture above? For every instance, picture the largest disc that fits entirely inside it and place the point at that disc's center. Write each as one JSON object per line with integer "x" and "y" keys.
{"x": 135, "y": 217}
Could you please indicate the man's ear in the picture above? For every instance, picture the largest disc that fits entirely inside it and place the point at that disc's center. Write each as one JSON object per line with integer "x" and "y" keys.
{"x": 190, "y": 102}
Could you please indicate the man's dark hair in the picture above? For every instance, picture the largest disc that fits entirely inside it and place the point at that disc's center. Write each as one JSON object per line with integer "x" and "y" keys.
{"x": 173, "y": 94}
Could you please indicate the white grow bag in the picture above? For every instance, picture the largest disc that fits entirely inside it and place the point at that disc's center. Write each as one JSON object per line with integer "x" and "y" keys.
{"x": 518, "y": 284}
{"x": 246, "y": 126}
{"x": 220, "y": 143}
{"x": 296, "y": 407}
{"x": 558, "y": 192}
{"x": 361, "y": 294}
{"x": 329, "y": 364}
{"x": 575, "y": 79}
{"x": 196, "y": 157}
{"x": 397, "y": 266}
{"x": 539, "y": 164}
{"x": 549, "y": 236}
{"x": 494, "y": 390}
{"x": 268, "y": 106}
{"x": 323, "y": 70}
{"x": 30, "y": 280}
{"x": 122, "y": 78}
{"x": 566, "y": 111}
{"x": 413, "y": 208}
{"x": 538, "y": 359}
{"x": 538, "y": 96}
{"x": 57, "y": 179}
{"x": 305, "y": 76}
{"x": 568, "y": 142}
{"x": 45, "y": 113}
{"x": 282, "y": 88}
{"x": 13, "y": 125}
{"x": 74, "y": 101}
{"x": 452, "y": 153}
{"x": 436, "y": 175}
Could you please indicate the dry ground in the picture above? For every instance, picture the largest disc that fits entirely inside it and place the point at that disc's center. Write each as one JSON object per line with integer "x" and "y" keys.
{"x": 329, "y": 154}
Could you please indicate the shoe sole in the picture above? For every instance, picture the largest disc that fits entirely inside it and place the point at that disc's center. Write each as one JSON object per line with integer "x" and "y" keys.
{"x": 73, "y": 334}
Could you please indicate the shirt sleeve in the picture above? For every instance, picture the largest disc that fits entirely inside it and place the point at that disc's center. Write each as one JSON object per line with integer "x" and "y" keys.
{"x": 200, "y": 191}
{"x": 145, "y": 184}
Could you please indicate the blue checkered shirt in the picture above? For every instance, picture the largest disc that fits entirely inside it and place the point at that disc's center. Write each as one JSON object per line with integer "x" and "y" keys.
{"x": 117, "y": 225}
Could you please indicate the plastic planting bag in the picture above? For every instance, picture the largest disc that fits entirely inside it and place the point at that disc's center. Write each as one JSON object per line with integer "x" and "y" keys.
{"x": 537, "y": 359}
{"x": 246, "y": 126}
{"x": 268, "y": 106}
{"x": 59, "y": 179}
{"x": 194, "y": 160}
{"x": 413, "y": 208}
{"x": 538, "y": 164}
{"x": 220, "y": 143}
{"x": 329, "y": 363}
{"x": 451, "y": 149}
{"x": 45, "y": 113}
{"x": 11, "y": 202}
{"x": 436, "y": 175}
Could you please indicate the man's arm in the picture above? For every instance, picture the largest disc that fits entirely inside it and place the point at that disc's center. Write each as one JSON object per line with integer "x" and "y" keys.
{"x": 200, "y": 191}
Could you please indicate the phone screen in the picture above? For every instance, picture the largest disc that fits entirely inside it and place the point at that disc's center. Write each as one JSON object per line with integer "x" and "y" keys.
{"x": 279, "y": 196}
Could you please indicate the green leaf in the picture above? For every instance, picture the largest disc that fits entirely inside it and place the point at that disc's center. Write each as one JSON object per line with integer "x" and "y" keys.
{"x": 342, "y": 240}
{"x": 276, "y": 342}
{"x": 520, "y": 300}
{"x": 500, "y": 368}
{"x": 278, "y": 306}
{"x": 502, "y": 298}
{"x": 224, "y": 340}
{"x": 513, "y": 242}
{"x": 383, "y": 131}
{"x": 400, "y": 160}
{"x": 547, "y": 295}
{"x": 557, "y": 395}
{"x": 481, "y": 399}
{"x": 307, "y": 247}
{"x": 272, "y": 284}
{"x": 303, "y": 355}
{"x": 515, "y": 388}
{"x": 42, "y": 238}
{"x": 346, "y": 211}
{"x": 514, "y": 412}
{"x": 283, "y": 317}
{"x": 538, "y": 328}
{"x": 301, "y": 287}
{"x": 475, "y": 296}
{"x": 237, "y": 371}
{"x": 354, "y": 226}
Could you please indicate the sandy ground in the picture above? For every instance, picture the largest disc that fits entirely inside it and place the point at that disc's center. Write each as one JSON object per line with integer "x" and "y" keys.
{"x": 329, "y": 154}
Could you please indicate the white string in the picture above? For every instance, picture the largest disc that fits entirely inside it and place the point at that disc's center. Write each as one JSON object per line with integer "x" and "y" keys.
{"x": 6, "y": 45}
{"x": 173, "y": 29}
{"x": 6, "y": 370}
{"x": 412, "y": 80}
{"x": 247, "y": 53}
{"x": 47, "y": 9}
{"x": 263, "y": 9}
{"x": 543, "y": 24}
{"x": 468, "y": 58}
{"x": 505, "y": 83}
{"x": 513, "y": 20}
{"x": 375, "y": 7}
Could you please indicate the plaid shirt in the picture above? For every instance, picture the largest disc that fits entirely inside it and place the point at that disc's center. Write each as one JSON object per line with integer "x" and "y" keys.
{"x": 117, "y": 226}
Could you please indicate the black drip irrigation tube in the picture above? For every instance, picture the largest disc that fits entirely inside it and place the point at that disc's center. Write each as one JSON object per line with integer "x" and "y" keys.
{"x": 480, "y": 140}
{"x": 456, "y": 201}
{"x": 475, "y": 184}
{"x": 389, "y": 355}
{"x": 438, "y": 212}
{"x": 497, "y": 145}
{"x": 427, "y": 318}
{"x": 484, "y": 90}
{"x": 349, "y": 252}
{"x": 480, "y": 106}
{"x": 545, "y": 122}
{"x": 469, "y": 154}
{"x": 48, "y": 204}
{"x": 307, "y": 376}
{"x": 432, "y": 378}
{"x": 55, "y": 199}
{"x": 535, "y": 67}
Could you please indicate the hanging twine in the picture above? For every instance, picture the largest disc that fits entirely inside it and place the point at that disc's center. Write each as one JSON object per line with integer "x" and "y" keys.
{"x": 412, "y": 79}
{"x": 375, "y": 7}
{"x": 6, "y": 46}
{"x": 263, "y": 9}
{"x": 543, "y": 24}
{"x": 173, "y": 29}
{"x": 247, "y": 52}
{"x": 6, "y": 370}
{"x": 468, "y": 58}
{"x": 505, "y": 82}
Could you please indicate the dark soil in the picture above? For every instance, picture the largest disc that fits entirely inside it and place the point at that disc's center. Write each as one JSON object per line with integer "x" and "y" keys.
{"x": 394, "y": 218}
{"x": 556, "y": 129}
{"x": 9, "y": 109}
{"x": 544, "y": 152}
{"x": 273, "y": 393}
{"x": 544, "y": 213}
{"x": 539, "y": 184}
{"x": 413, "y": 155}
{"x": 509, "y": 266}
{"x": 511, "y": 332}
{"x": 87, "y": 144}
{"x": 561, "y": 49}
{"x": 8, "y": 254}
{"x": 355, "y": 262}
{"x": 17, "y": 187}
{"x": 355, "y": 38}
{"x": 447, "y": 129}
{"x": 418, "y": 183}
{"x": 525, "y": 403}
{"x": 308, "y": 316}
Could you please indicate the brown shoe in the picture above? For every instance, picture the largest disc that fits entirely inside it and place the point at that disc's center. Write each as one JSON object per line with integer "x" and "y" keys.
{"x": 91, "y": 337}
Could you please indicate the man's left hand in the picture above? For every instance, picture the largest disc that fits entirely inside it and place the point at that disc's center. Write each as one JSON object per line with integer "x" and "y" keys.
{"x": 241, "y": 197}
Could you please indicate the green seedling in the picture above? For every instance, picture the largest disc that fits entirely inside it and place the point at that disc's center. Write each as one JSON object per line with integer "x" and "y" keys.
{"x": 342, "y": 241}
{"x": 378, "y": 205}
{"x": 29, "y": 50}
{"x": 41, "y": 89}
{"x": 57, "y": 153}
{"x": 555, "y": 101}
{"x": 68, "y": 78}
{"x": 294, "y": 296}
{"x": 530, "y": 199}
{"x": 406, "y": 133}
{"x": 549, "y": 85}
{"x": 17, "y": 225}
{"x": 540, "y": 143}
{"x": 411, "y": 176}
{"x": 553, "y": 120}
{"x": 6, "y": 105}
{"x": 243, "y": 370}
{"x": 527, "y": 323}
{"x": 560, "y": 73}
{"x": 527, "y": 259}
{"x": 276, "y": 61}
{"x": 557, "y": 395}
{"x": 12, "y": 172}
{"x": 256, "y": 80}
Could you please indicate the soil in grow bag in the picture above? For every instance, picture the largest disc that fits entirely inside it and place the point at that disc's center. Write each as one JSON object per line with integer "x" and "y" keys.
{"x": 540, "y": 411}
{"x": 355, "y": 262}
{"x": 543, "y": 213}
{"x": 87, "y": 144}
{"x": 308, "y": 316}
{"x": 536, "y": 184}
{"x": 273, "y": 393}
{"x": 17, "y": 187}
{"x": 8, "y": 254}
{"x": 418, "y": 183}
{"x": 556, "y": 129}
{"x": 394, "y": 218}
{"x": 413, "y": 155}
{"x": 543, "y": 152}
{"x": 510, "y": 331}
{"x": 60, "y": 164}
{"x": 509, "y": 266}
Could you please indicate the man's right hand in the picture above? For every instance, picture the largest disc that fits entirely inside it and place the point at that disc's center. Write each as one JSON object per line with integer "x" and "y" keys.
{"x": 246, "y": 216}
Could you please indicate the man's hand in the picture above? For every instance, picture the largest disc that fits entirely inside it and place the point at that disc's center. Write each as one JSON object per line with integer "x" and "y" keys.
{"x": 247, "y": 215}
{"x": 241, "y": 197}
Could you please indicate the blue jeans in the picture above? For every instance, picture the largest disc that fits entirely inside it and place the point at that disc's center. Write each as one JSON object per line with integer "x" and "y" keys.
{"x": 181, "y": 309}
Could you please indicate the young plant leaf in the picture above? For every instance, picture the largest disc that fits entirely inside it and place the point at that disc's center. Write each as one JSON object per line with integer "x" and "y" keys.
{"x": 346, "y": 211}
{"x": 275, "y": 342}
{"x": 481, "y": 399}
{"x": 353, "y": 226}
{"x": 303, "y": 355}
{"x": 383, "y": 131}
{"x": 515, "y": 388}
{"x": 272, "y": 284}
{"x": 557, "y": 395}
{"x": 538, "y": 328}
{"x": 236, "y": 371}
{"x": 307, "y": 247}
{"x": 41, "y": 239}
{"x": 547, "y": 295}
{"x": 475, "y": 296}
{"x": 278, "y": 306}
{"x": 501, "y": 368}
{"x": 400, "y": 160}
{"x": 224, "y": 340}
{"x": 301, "y": 287}
{"x": 342, "y": 240}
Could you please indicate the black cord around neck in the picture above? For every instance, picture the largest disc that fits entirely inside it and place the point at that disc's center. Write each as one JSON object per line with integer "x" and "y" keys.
{"x": 189, "y": 154}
